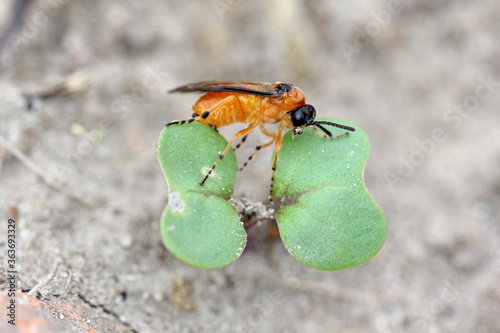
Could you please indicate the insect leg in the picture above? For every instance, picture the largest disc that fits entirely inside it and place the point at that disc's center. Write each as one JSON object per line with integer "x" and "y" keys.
{"x": 241, "y": 142}
{"x": 180, "y": 122}
{"x": 241, "y": 133}
{"x": 266, "y": 132}
{"x": 200, "y": 118}
{"x": 277, "y": 147}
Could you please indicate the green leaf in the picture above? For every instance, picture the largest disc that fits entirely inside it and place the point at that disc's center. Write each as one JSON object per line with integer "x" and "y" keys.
{"x": 186, "y": 152}
{"x": 327, "y": 218}
{"x": 206, "y": 232}
{"x": 199, "y": 226}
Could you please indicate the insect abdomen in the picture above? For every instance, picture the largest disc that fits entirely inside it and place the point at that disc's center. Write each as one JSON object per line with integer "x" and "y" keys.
{"x": 239, "y": 108}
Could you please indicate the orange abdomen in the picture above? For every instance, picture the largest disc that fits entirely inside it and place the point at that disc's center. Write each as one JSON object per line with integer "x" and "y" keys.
{"x": 243, "y": 108}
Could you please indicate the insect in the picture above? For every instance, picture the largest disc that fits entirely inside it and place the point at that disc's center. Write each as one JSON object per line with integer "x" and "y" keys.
{"x": 256, "y": 104}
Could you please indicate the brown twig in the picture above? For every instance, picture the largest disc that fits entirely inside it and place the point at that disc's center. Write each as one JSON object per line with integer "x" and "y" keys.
{"x": 39, "y": 172}
{"x": 68, "y": 284}
{"x": 42, "y": 283}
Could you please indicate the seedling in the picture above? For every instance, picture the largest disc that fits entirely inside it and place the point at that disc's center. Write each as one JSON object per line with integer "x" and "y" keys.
{"x": 326, "y": 217}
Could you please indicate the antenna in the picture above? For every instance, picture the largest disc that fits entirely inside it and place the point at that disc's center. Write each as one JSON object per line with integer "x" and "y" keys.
{"x": 327, "y": 132}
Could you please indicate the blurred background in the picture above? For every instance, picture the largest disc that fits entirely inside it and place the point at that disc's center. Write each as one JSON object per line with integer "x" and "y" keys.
{"x": 83, "y": 99}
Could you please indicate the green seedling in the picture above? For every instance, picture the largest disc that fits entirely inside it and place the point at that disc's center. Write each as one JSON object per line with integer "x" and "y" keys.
{"x": 326, "y": 217}
{"x": 199, "y": 226}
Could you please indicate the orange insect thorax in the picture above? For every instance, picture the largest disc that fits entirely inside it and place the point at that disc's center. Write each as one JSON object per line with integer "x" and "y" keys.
{"x": 276, "y": 108}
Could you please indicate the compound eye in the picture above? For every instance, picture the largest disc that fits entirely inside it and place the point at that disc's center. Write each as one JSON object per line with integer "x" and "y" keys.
{"x": 283, "y": 87}
{"x": 298, "y": 117}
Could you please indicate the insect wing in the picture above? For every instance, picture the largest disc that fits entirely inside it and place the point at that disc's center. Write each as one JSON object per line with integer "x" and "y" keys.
{"x": 242, "y": 87}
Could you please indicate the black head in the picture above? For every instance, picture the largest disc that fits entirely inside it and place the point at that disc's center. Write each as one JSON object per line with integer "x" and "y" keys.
{"x": 304, "y": 116}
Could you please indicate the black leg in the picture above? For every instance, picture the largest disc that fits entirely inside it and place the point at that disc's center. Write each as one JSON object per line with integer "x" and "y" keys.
{"x": 241, "y": 133}
{"x": 241, "y": 142}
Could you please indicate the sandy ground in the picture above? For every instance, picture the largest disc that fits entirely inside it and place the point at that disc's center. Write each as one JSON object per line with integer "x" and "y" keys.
{"x": 83, "y": 96}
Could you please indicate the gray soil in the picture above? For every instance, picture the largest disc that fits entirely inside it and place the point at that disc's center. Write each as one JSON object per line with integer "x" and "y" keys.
{"x": 83, "y": 96}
